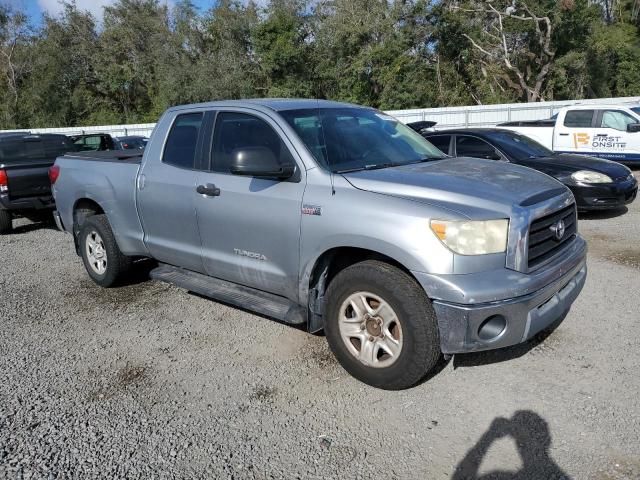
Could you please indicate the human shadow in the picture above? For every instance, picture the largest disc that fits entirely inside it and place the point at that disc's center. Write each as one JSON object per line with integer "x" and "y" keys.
{"x": 531, "y": 434}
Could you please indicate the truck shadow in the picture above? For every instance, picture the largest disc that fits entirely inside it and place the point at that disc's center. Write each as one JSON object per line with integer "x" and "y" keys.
{"x": 139, "y": 273}
{"x": 530, "y": 432}
{"x": 32, "y": 227}
{"x": 476, "y": 359}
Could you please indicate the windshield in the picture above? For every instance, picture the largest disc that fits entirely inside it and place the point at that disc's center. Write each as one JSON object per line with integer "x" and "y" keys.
{"x": 636, "y": 110}
{"x": 518, "y": 146}
{"x": 349, "y": 139}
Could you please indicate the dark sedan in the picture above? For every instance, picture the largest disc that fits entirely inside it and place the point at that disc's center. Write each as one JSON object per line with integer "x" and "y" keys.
{"x": 595, "y": 183}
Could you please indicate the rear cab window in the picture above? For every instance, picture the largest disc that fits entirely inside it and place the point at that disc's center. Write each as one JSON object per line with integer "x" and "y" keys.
{"x": 181, "y": 145}
{"x": 579, "y": 118}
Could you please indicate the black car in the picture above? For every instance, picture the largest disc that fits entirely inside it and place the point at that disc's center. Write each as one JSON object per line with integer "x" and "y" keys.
{"x": 130, "y": 142}
{"x": 93, "y": 142}
{"x": 596, "y": 183}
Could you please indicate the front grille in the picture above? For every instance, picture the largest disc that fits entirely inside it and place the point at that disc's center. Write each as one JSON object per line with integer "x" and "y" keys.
{"x": 543, "y": 243}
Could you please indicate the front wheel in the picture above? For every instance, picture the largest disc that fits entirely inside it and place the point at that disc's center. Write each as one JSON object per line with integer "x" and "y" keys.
{"x": 102, "y": 258}
{"x": 381, "y": 326}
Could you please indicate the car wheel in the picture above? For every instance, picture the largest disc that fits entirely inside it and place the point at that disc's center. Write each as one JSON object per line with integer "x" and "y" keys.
{"x": 102, "y": 258}
{"x": 6, "y": 222}
{"x": 381, "y": 326}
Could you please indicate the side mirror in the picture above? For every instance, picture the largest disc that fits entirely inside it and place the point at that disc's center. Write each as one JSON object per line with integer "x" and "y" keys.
{"x": 633, "y": 127}
{"x": 492, "y": 156}
{"x": 259, "y": 162}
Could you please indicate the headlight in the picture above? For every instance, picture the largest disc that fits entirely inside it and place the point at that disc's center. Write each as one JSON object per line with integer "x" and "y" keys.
{"x": 472, "y": 237}
{"x": 587, "y": 176}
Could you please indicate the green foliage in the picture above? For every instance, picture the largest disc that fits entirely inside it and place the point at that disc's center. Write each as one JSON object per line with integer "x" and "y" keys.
{"x": 144, "y": 56}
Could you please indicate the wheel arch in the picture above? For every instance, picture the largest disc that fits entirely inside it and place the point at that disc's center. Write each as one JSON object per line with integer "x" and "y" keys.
{"x": 326, "y": 266}
{"x": 83, "y": 208}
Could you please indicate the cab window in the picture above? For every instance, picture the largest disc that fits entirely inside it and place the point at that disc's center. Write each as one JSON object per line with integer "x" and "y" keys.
{"x": 579, "y": 119}
{"x": 616, "y": 119}
{"x": 235, "y": 131}
{"x": 180, "y": 149}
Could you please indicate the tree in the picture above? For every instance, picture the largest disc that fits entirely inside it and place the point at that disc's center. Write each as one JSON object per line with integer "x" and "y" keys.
{"x": 515, "y": 37}
{"x": 16, "y": 36}
{"x": 62, "y": 90}
{"x": 282, "y": 44}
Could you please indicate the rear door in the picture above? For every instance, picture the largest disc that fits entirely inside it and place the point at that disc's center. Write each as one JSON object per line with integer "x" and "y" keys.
{"x": 251, "y": 230}
{"x": 167, "y": 192}
{"x": 575, "y": 132}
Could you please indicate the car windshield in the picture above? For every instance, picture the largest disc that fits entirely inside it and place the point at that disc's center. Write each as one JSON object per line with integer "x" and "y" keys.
{"x": 518, "y": 146}
{"x": 636, "y": 110}
{"x": 350, "y": 139}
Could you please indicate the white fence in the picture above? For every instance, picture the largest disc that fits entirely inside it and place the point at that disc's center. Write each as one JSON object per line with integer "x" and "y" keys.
{"x": 115, "y": 130}
{"x": 489, "y": 115}
{"x": 446, "y": 117}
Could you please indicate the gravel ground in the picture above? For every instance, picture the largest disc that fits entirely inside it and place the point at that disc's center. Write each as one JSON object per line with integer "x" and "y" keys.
{"x": 149, "y": 381}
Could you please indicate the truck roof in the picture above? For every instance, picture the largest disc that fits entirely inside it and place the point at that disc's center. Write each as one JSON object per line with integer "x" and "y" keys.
{"x": 601, "y": 106}
{"x": 275, "y": 104}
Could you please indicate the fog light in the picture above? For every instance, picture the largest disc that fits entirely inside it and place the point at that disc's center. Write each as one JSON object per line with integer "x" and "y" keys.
{"x": 492, "y": 328}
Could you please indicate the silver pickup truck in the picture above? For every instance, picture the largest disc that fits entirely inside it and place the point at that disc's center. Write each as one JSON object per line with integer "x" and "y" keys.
{"x": 338, "y": 218}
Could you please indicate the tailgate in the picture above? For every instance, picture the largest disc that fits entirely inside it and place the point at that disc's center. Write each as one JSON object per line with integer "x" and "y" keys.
{"x": 29, "y": 179}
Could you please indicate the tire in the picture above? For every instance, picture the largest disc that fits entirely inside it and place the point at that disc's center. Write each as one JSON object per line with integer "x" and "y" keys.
{"x": 401, "y": 314}
{"x": 105, "y": 263}
{"x": 6, "y": 222}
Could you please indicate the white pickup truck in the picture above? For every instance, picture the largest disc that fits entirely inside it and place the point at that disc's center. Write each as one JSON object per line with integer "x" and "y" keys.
{"x": 605, "y": 131}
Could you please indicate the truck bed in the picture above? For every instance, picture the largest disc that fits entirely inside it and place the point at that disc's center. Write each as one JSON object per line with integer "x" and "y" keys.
{"x": 549, "y": 122}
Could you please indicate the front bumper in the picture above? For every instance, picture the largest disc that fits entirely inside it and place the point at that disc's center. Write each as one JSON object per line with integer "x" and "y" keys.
{"x": 605, "y": 196}
{"x": 540, "y": 303}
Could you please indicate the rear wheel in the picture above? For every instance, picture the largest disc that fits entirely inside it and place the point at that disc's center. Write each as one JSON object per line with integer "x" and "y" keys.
{"x": 6, "y": 222}
{"x": 381, "y": 326}
{"x": 102, "y": 258}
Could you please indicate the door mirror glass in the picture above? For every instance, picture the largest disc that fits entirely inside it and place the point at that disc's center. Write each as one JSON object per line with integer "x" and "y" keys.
{"x": 633, "y": 127}
{"x": 259, "y": 162}
{"x": 493, "y": 156}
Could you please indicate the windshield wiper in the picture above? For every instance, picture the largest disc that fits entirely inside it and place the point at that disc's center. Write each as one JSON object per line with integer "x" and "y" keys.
{"x": 376, "y": 166}
{"x": 427, "y": 159}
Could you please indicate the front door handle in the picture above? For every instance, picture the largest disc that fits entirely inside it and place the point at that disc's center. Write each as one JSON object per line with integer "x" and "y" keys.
{"x": 209, "y": 190}
{"x": 564, "y": 134}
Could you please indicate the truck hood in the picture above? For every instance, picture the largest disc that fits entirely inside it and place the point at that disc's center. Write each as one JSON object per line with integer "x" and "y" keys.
{"x": 470, "y": 186}
{"x": 564, "y": 164}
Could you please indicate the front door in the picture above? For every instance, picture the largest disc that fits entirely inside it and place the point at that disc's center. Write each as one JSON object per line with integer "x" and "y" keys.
{"x": 612, "y": 140}
{"x": 250, "y": 227}
{"x": 167, "y": 194}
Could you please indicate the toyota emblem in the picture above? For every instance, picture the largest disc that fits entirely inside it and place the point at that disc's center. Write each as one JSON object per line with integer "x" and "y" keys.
{"x": 558, "y": 229}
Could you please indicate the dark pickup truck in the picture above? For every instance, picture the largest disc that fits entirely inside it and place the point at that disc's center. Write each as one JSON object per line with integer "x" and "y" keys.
{"x": 25, "y": 187}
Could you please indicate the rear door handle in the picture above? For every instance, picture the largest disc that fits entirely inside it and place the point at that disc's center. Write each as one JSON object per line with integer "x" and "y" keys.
{"x": 564, "y": 134}
{"x": 209, "y": 190}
